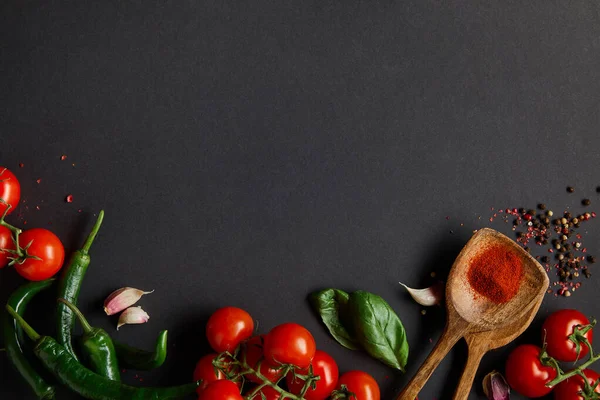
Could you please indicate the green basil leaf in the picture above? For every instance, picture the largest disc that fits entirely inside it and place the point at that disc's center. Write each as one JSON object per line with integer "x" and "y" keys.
{"x": 330, "y": 304}
{"x": 378, "y": 329}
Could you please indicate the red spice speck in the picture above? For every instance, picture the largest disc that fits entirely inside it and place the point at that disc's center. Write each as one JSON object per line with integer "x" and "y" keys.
{"x": 21, "y": 165}
{"x": 69, "y": 198}
{"x": 63, "y": 157}
{"x": 38, "y": 180}
{"x": 37, "y": 207}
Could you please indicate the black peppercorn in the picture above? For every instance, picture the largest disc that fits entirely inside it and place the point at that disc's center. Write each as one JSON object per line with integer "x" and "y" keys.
{"x": 591, "y": 259}
{"x": 586, "y": 202}
{"x": 570, "y": 189}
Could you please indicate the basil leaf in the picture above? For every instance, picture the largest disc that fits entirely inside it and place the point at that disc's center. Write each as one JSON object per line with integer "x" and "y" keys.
{"x": 330, "y": 304}
{"x": 378, "y": 329}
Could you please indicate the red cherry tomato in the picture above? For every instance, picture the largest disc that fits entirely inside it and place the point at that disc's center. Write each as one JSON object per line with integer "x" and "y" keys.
{"x": 526, "y": 374}
{"x": 206, "y": 371}
{"x": 556, "y": 330}
{"x": 6, "y": 243}
{"x": 254, "y": 353}
{"x": 46, "y": 251}
{"x": 363, "y": 385}
{"x": 572, "y": 388}
{"x": 290, "y": 343}
{"x": 326, "y": 368}
{"x": 227, "y": 328}
{"x": 10, "y": 191}
{"x": 221, "y": 390}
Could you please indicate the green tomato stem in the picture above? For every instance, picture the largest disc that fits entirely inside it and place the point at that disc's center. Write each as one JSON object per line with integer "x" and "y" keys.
{"x": 563, "y": 376}
{"x": 15, "y": 232}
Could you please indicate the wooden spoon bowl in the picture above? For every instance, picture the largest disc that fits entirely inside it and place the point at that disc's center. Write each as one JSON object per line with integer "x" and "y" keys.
{"x": 469, "y": 312}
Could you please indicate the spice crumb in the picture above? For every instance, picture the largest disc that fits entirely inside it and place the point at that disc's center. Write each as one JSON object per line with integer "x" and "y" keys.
{"x": 21, "y": 165}
{"x": 38, "y": 180}
{"x": 63, "y": 157}
{"x": 570, "y": 189}
{"x": 69, "y": 198}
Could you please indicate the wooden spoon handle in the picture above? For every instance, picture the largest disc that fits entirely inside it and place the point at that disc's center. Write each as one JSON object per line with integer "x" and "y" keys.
{"x": 477, "y": 348}
{"x": 443, "y": 346}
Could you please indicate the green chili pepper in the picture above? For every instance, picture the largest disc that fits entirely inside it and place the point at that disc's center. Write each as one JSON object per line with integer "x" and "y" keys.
{"x": 97, "y": 346}
{"x": 19, "y": 300}
{"x": 87, "y": 383}
{"x": 69, "y": 286}
{"x": 132, "y": 358}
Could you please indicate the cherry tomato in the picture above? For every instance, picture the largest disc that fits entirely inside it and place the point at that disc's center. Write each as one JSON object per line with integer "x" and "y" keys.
{"x": 206, "y": 371}
{"x": 10, "y": 191}
{"x": 556, "y": 330}
{"x": 363, "y": 385}
{"x": 48, "y": 251}
{"x": 326, "y": 368}
{"x": 227, "y": 328}
{"x": 290, "y": 343}
{"x": 526, "y": 374}
{"x": 572, "y": 388}
{"x": 221, "y": 390}
{"x": 254, "y": 353}
{"x": 6, "y": 243}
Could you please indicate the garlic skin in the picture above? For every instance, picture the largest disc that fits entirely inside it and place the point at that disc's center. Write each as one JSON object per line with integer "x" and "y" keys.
{"x": 122, "y": 298}
{"x": 133, "y": 315}
{"x": 495, "y": 386}
{"x": 430, "y": 296}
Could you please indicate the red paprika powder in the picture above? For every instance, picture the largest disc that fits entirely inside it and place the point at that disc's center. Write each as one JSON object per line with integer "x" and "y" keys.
{"x": 496, "y": 273}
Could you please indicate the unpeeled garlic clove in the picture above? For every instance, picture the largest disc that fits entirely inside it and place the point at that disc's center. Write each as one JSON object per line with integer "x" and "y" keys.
{"x": 495, "y": 386}
{"x": 122, "y": 298}
{"x": 429, "y": 296}
{"x": 133, "y": 315}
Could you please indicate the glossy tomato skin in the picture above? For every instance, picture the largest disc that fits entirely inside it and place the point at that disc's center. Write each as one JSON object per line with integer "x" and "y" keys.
{"x": 526, "y": 374}
{"x": 363, "y": 385}
{"x": 253, "y": 352}
{"x": 326, "y": 368}
{"x": 6, "y": 243}
{"x": 227, "y": 328}
{"x": 556, "y": 330}
{"x": 206, "y": 372}
{"x": 47, "y": 247}
{"x": 572, "y": 388}
{"x": 290, "y": 343}
{"x": 10, "y": 191}
{"x": 221, "y": 390}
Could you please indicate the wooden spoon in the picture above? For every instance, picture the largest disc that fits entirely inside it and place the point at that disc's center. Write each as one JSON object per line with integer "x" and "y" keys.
{"x": 469, "y": 313}
{"x": 480, "y": 343}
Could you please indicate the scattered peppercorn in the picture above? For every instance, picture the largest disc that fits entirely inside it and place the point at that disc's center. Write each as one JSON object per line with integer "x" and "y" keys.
{"x": 586, "y": 202}
{"x": 570, "y": 189}
{"x": 591, "y": 259}
{"x": 542, "y": 206}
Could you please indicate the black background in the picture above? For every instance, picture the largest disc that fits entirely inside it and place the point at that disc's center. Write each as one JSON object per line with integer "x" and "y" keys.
{"x": 248, "y": 153}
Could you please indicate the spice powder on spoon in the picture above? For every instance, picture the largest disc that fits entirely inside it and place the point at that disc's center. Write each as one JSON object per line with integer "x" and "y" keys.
{"x": 496, "y": 273}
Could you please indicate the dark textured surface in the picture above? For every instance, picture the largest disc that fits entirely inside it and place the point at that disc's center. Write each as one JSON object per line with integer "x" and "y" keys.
{"x": 248, "y": 153}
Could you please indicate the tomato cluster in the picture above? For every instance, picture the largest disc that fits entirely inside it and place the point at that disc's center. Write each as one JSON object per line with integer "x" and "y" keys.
{"x": 37, "y": 253}
{"x": 567, "y": 337}
{"x": 284, "y": 363}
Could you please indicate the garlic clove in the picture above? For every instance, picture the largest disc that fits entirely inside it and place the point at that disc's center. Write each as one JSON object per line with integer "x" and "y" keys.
{"x": 133, "y": 315}
{"x": 429, "y": 296}
{"x": 122, "y": 298}
{"x": 495, "y": 386}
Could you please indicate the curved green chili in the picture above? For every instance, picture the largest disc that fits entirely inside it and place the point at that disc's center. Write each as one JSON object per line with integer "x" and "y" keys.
{"x": 133, "y": 358}
{"x": 69, "y": 286}
{"x": 13, "y": 332}
{"x": 87, "y": 383}
{"x": 97, "y": 347}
